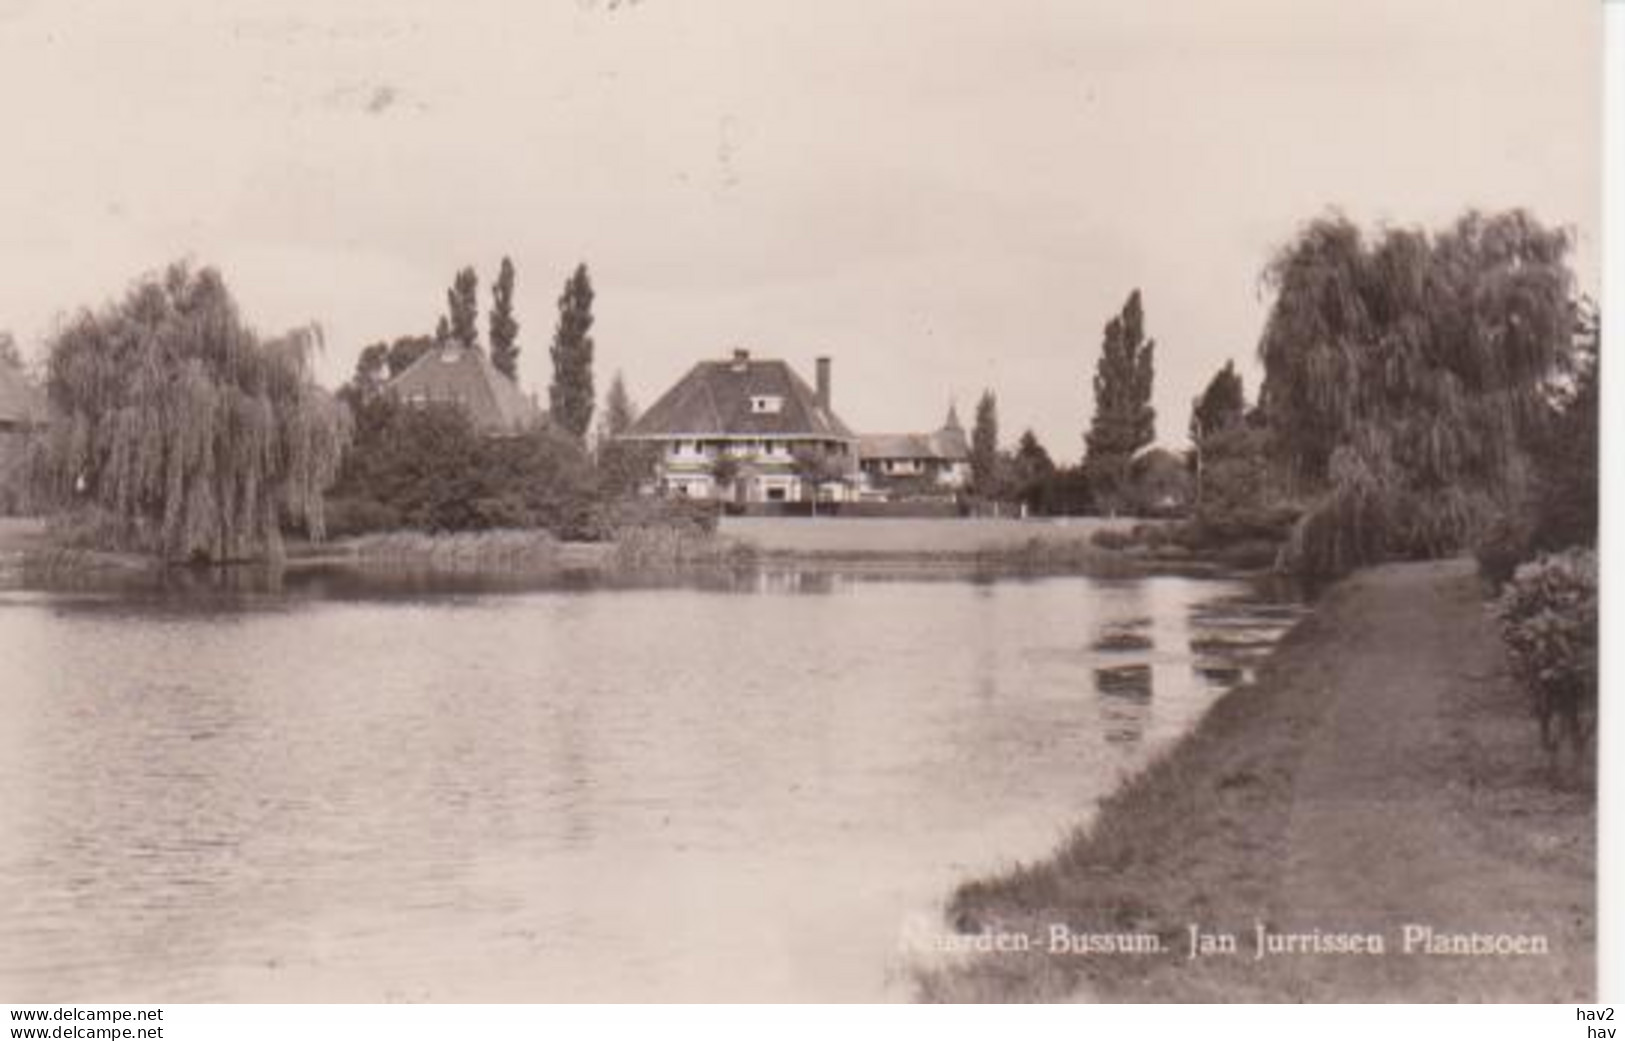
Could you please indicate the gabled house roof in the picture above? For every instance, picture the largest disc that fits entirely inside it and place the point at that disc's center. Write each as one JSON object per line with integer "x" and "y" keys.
{"x": 21, "y": 403}
{"x": 939, "y": 445}
{"x": 947, "y": 444}
{"x": 465, "y": 376}
{"x": 720, "y": 399}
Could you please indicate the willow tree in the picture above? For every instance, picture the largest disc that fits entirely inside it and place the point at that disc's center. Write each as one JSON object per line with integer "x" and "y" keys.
{"x": 182, "y": 432}
{"x": 1405, "y": 372}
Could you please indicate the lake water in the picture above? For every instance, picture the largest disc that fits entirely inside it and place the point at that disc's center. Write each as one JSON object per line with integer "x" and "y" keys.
{"x": 757, "y": 787}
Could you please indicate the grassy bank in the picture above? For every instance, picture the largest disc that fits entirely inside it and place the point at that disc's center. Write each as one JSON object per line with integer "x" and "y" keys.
{"x": 29, "y": 548}
{"x": 1381, "y": 772}
{"x": 474, "y": 550}
{"x": 971, "y": 546}
{"x": 902, "y": 536}
{"x": 981, "y": 545}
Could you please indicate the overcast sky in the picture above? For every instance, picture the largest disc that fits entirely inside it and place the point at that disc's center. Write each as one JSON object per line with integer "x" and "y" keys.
{"x": 944, "y": 195}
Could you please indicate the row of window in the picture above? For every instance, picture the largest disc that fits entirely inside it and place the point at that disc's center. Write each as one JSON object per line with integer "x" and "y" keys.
{"x": 765, "y": 447}
{"x": 910, "y": 466}
{"x": 420, "y": 398}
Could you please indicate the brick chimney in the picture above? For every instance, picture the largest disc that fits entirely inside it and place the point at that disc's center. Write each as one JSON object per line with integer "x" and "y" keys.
{"x": 741, "y": 359}
{"x": 823, "y": 383}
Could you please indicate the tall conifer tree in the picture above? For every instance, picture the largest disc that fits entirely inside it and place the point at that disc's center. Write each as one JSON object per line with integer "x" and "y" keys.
{"x": 570, "y": 397}
{"x": 1124, "y": 421}
{"x": 504, "y": 327}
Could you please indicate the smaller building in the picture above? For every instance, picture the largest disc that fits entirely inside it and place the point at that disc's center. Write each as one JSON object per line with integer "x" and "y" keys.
{"x": 916, "y": 465}
{"x": 464, "y": 376}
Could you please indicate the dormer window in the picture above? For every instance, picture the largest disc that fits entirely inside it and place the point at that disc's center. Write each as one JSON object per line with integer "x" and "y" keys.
{"x": 766, "y": 404}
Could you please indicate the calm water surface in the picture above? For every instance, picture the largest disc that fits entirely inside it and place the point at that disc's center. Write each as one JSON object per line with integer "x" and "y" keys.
{"x": 355, "y": 790}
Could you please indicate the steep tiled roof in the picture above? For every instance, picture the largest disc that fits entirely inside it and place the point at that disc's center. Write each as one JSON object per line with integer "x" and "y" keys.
{"x": 947, "y": 445}
{"x": 466, "y": 376}
{"x": 20, "y": 401}
{"x": 715, "y": 399}
{"x": 895, "y": 446}
{"x": 951, "y": 442}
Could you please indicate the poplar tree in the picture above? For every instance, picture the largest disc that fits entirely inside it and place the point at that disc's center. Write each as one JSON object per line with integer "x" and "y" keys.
{"x": 570, "y": 396}
{"x": 504, "y": 328}
{"x": 1124, "y": 421}
{"x": 622, "y": 465}
{"x": 1223, "y": 404}
{"x": 984, "y": 446}
{"x": 462, "y": 309}
{"x": 619, "y": 411}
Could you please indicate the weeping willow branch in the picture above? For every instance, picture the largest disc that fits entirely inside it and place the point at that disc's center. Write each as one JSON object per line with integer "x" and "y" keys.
{"x": 1405, "y": 375}
{"x": 190, "y": 435}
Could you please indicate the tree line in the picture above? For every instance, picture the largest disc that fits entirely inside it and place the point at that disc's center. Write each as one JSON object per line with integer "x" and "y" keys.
{"x": 178, "y": 430}
{"x": 429, "y": 468}
{"x": 1114, "y": 475}
{"x": 1423, "y": 392}
{"x": 571, "y": 391}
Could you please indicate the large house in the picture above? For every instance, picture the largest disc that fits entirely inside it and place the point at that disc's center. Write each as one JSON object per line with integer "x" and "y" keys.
{"x": 464, "y": 376}
{"x": 749, "y": 430}
{"x": 915, "y": 465}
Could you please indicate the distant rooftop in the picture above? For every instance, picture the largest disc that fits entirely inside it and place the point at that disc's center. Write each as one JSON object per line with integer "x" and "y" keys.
{"x": 465, "y": 376}
{"x": 947, "y": 444}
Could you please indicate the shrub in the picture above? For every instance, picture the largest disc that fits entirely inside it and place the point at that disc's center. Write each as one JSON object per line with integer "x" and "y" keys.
{"x": 624, "y": 467}
{"x": 1548, "y": 617}
{"x": 696, "y": 516}
{"x": 349, "y": 516}
{"x": 480, "y": 550}
{"x": 427, "y": 468}
{"x": 1064, "y": 492}
{"x": 1238, "y": 515}
{"x": 1113, "y": 539}
{"x": 652, "y": 548}
{"x": 1505, "y": 542}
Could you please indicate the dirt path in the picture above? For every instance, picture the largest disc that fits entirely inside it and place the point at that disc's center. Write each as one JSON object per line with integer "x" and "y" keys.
{"x": 1382, "y": 773}
{"x": 1387, "y": 831}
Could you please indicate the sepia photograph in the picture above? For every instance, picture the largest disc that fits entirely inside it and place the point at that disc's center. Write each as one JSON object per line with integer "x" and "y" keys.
{"x": 761, "y": 501}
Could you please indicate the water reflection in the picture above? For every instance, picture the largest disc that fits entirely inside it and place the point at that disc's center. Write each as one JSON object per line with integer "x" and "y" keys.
{"x": 1126, "y": 636}
{"x": 1219, "y": 641}
{"x": 1230, "y": 636}
{"x": 365, "y": 786}
{"x": 1125, "y": 701}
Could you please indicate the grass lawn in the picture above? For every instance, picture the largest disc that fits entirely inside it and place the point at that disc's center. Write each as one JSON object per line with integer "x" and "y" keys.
{"x": 908, "y": 536}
